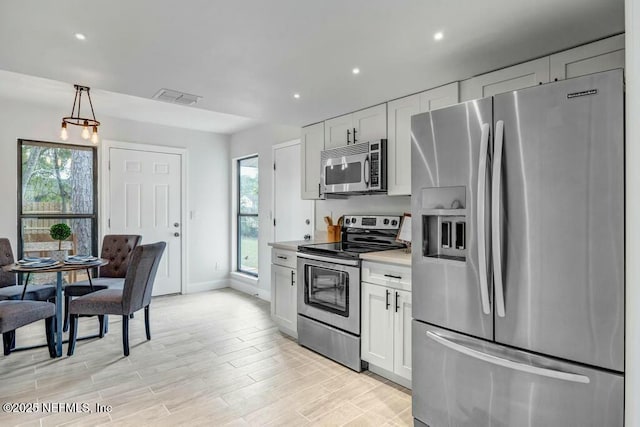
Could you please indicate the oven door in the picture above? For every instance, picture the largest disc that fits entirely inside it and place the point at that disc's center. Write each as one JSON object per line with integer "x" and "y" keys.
{"x": 346, "y": 174}
{"x": 330, "y": 291}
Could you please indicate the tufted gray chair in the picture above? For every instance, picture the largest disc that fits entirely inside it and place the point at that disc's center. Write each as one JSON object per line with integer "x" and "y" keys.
{"x": 9, "y": 289}
{"x": 15, "y": 314}
{"x": 135, "y": 295}
{"x": 117, "y": 248}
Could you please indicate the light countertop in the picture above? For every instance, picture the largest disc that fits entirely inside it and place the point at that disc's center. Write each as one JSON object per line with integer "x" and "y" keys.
{"x": 293, "y": 244}
{"x": 396, "y": 256}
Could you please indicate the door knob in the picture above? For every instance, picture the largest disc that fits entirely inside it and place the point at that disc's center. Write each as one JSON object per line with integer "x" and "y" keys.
{"x": 176, "y": 234}
{"x": 176, "y": 224}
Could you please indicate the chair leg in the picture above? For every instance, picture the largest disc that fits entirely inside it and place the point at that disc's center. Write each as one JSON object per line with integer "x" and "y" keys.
{"x": 67, "y": 300}
{"x": 146, "y": 322}
{"x": 125, "y": 334}
{"x": 7, "y": 340}
{"x": 101, "y": 320}
{"x": 48, "y": 324}
{"x": 106, "y": 324}
{"x": 73, "y": 333}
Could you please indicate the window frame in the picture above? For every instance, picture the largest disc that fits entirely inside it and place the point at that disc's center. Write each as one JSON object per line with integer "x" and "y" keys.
{"x": 240, "y": 215}
{"x": 93, "y": 216}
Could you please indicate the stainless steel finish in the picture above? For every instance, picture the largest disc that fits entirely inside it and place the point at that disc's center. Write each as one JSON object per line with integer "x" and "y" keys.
{"x": 354, "y": 169}
{"x": 508, "y": 363}
{"x": 446, "y": 153}
{"x": 562, "y": 222}
{"x": 342, "y": 347}
{"x": 369, "y": 222}
{"x": 454, "y": 388}
{"x": 329, "y": 260}
{"x": 349, "y": 323}
{"x": 481, "y": 220}
{"x": 496, "y": 227}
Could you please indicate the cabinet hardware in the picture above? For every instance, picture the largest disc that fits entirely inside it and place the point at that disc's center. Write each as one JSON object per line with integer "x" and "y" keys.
{"x": 387, "y": 300}
{"x": 292, "y": 274}
{"x": 393, "y": 276}
{"x": 348, "y": 133}
{"x": 397, "y": 296}
{"x": 354, "y": 135}
{"x": 282, "y": 257}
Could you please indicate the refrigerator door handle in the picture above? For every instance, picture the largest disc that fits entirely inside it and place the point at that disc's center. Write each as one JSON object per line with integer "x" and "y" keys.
{"x": 482, "y": 193}
{"x": 507, "y": 363}
{"x": 496, "y": 235}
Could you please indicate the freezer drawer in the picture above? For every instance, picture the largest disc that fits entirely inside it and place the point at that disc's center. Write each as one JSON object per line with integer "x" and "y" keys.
{"x": 463, "y": 381}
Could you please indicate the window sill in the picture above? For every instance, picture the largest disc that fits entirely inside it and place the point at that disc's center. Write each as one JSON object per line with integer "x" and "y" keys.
{"x": 245, "y": 278}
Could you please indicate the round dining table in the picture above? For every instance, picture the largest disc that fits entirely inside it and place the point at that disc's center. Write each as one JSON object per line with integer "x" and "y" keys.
{"x": 58, "y": 268}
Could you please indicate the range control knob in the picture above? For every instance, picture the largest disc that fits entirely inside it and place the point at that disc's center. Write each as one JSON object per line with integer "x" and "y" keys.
{"x": 386, "y": 221}
{"x": 348, "y": 221}
{"x": 394, "y": 222}
{"x": 353, "y": 220}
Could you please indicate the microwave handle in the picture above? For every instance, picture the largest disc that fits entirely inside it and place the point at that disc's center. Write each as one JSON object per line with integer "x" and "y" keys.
{"x": 367, "y": 171}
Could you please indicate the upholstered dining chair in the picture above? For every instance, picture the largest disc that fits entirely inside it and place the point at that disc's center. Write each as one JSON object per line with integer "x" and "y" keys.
{"x": 135, "y": 295}
{"x": 117, "y": 248}
{"x": 10, "y": 290}
{"x": 15, "y": 314}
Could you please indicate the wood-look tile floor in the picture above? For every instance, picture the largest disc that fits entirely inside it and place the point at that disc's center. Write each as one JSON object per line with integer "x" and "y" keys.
{"x": 215, "y": 358}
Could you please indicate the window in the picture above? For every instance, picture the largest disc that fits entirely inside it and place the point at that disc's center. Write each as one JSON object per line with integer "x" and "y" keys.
{"x": 247, "y": 225}
{"x": 57, "y": 184}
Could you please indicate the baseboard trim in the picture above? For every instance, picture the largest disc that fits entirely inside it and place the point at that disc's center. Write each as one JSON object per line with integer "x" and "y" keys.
{"x": 263, "y": 294}
{"x": 390, "y": 376}
{"x": 193, "y": 288}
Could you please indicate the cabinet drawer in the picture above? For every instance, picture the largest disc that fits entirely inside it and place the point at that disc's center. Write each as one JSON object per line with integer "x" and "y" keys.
{"x": 394, "y": 276}
{"x": 283, "y": 257}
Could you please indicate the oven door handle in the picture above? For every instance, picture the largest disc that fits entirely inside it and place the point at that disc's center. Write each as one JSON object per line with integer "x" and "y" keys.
{"x": 367, "y": 171}
{"x": 339, "y": 261}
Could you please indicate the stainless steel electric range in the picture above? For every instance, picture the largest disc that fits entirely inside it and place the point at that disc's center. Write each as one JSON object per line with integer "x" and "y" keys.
{"x": 329, "y": 292}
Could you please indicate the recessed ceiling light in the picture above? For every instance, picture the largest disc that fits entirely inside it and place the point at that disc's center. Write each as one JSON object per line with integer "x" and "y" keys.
{"x": 296, "y": 95}
{"x": 438, "y": 35}
{"x": 356, "y": 70}
{"x": 80, "y": 36}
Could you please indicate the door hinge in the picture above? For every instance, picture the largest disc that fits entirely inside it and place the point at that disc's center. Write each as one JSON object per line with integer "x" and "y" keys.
{"x": 274, "y": 222}
{"x": 274, "y": 165}
{"x": 109, "y": 223}
{"x": 109, "y": 165}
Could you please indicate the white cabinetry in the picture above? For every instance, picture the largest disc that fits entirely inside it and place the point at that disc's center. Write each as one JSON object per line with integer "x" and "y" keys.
{"x": 386, "y": 320}
{"x": 361, "y": 126}
{"x": 312, "y": 143}
{"x": 519, "y": 76}
{"x": 284, "y": 291}
{"x": 603, "y": 55}
{"x": 399, "y": 114}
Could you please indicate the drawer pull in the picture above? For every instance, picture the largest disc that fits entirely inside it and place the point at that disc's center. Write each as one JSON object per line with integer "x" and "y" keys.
{"x": 387, "y": 300}
{"x": 393, "y": 276}
{"x": 282, "y": 257}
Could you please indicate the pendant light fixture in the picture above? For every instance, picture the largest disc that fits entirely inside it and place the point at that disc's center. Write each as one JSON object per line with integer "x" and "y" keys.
{"x": 77, "y": 120}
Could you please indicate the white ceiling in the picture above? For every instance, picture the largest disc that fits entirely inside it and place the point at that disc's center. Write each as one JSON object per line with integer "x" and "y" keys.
{"x": 247, "y": 57}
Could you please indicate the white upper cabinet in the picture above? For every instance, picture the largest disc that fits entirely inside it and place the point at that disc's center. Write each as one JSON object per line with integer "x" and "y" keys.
{"x": 370, "y": 124}
{"x": 603, "y": 55}
{"x": 312, "y": 143}
{"x": 362, "y": 126}
{"x": 338, "y": 132}
{"x": 519, "y": 76}
{"x": 399, "y": 114}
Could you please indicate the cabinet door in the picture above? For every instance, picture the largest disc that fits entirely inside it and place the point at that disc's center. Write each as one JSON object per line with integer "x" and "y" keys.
{"x": 399, "y": 114}
{"x": 370, "y": 124}
{"x": 283, "y": 297}
{"x": 603, "y": 55}
{"x": 377, "y": 325}
{"x": 402, "y": 334}
{"x": 337, "y": 130}
{"x": 517, "y": 77}
{"x": 312, "y": 144}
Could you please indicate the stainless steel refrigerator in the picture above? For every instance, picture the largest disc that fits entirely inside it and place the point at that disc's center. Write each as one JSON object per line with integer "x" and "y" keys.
{"x": 518, "y": 258}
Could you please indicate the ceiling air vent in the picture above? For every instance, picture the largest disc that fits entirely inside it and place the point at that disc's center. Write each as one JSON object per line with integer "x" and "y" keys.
{"x": 175, "y": 97}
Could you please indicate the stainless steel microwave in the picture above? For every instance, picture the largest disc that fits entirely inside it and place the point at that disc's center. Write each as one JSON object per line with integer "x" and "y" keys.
{"x": 355, "y": 169}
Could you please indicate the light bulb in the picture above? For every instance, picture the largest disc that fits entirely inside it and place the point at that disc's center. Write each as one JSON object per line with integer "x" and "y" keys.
{"x": 94, "y": 135}
{"x": 85, "y": 130}
{"x": 63, "y": 132}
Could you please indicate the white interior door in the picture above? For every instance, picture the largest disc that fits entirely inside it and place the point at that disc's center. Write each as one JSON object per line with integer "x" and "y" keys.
{"x": 292, "y": 215}
{"x": 145, "y": 198}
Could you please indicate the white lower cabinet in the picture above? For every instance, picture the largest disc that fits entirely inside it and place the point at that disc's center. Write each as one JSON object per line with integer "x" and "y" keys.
{"x": 284, "y": 291}
{"x": 386, "y": 322}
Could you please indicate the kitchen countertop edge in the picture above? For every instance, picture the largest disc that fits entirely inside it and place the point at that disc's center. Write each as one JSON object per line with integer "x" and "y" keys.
{"x": 395, "y": 256}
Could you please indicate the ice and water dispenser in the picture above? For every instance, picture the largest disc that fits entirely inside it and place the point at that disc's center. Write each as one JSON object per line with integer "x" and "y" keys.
{"x": 444, "y": 223}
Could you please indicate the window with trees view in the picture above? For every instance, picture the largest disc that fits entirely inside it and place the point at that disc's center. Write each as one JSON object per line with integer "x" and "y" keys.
{"x": 57, "y": 184}
{"x": 247, "y": 238}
